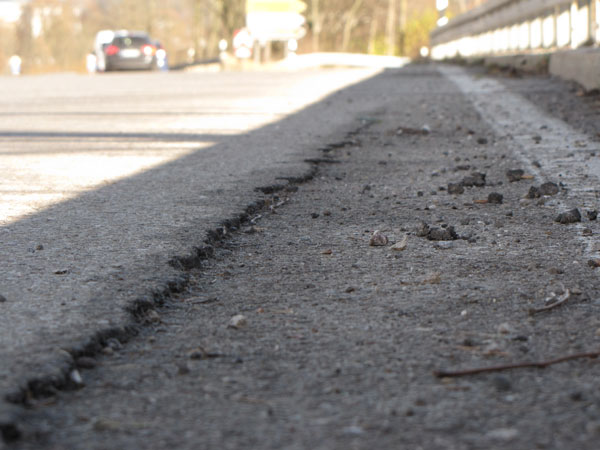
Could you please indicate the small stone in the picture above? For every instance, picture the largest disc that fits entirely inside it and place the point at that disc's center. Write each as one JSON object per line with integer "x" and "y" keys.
{"x": 501, "y": 383}
{"x": 475, "y": 179}
{"x": 442, "y": 234}
{"x": 114, "y": 343}
{"x": 537, "y": 138}
{"x": 592, "y": 214}
{"x": 378, "y": 239}
{"x": 495, "y": 198}
{"x": 505, "y": 328}
{"x": 464, "y": 313}
{"x": 515, "y": 175}
{"x": 401, "y": 245}
{"x": 152, "y": 316}
{"x": 354, "y": 430}
{"x": 576, "y": 396}
{"x": 445, "y": 245}
{"x": 422, "y": 229}
{"x": 183, "y": 369}
{"x": 456, "y": 188}
{"x": 108, "y": 351}
{"x": 549, "y": 188}
{"x": 314, "y": 215}
{"x": 594, "y": 263}
{"x": 75, "y": 378}
{"x": 426, "y": 129}
{"x": 327, "y": 213}
{"x": 587, "y": 232}
{"x": 39, "y": 247}
{"x": 568, "y": 217}
{"x": 350, "y": 289}
{"x": 197, "y": 353}
{"x": 238, "y": 321}
{"x": 482, "y": 141}
{"x": 503, "y": 434}
{"x": 534, "y": 192}
{"x": 3, "y": 299}
{"x": 85, "y": 362}
{"x": 107, "y": 425}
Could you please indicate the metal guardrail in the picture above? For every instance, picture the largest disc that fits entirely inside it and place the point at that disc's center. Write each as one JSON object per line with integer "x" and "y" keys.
{"x": 517, "y": 26}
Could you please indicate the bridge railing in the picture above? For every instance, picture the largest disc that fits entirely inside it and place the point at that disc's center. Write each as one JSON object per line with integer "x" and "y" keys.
{"x": 518, "y": 26}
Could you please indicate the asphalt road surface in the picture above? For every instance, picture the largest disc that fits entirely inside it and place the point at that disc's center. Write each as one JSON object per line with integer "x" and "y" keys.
{"x": 301, "y": 327}
{"x": 106, "y": 178}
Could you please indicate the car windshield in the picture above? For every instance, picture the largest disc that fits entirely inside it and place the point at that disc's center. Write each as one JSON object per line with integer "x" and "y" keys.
{"x": 130, "y": 41}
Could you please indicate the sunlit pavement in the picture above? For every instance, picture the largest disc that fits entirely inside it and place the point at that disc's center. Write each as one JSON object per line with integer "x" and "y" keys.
{"x": 107, "y": 177}
{"x": 62, "y": 135}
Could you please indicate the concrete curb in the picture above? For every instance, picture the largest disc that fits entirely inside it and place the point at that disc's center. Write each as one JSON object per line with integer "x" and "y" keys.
{"x": 581, "y": 65}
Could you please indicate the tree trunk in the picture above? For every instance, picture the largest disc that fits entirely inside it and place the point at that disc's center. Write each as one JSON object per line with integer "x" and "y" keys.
{"x": 349, "y": 23}
{"x": 316, "y": 25}
{"x": 372, "y": 35}
{"x": 390, "y": 29}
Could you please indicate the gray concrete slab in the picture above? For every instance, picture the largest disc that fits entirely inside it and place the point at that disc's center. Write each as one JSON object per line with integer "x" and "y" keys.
{"x": 107, "y": 178}
{"x": 582, "y": 66}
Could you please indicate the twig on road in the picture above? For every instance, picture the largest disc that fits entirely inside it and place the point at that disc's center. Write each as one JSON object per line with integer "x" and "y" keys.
{"x": 561, "y": 300}
{"x": 521, "y": 365}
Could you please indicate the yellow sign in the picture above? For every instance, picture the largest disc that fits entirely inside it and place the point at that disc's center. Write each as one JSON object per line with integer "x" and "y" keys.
{"x": 288, "y": 6}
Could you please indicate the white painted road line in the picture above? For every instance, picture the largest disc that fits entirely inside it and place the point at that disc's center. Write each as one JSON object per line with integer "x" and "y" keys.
{"x": 564, "y": 154}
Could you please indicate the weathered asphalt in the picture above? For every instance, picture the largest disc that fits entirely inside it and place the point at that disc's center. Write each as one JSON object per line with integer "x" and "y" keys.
{"x": 341, "y": 338}
{"x": 106, "y": 179}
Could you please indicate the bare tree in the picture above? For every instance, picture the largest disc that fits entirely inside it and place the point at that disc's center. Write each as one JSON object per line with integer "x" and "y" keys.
{"x": 350, "y": 19}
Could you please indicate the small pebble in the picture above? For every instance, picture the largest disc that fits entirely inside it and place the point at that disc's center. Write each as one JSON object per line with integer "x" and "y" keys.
{"x": 456, "y": 188}
{"x": 495, "y": 198}
{"x": 378, "y": 239}
{"x": 442, "y": 234}
{"x": 76, "y": 379}
{"x": 238, "y": 321}
{"x": 534, "y": 192}
{"x": 592, "y": 214}
{"x": 505, "y": 328}
{"x": 515, "y": 175}
{"x": 152, "y": 316}
{"x": 3, "y": 299}
{"x": 401, "y": 245}
{"x": 314, "y": 215}
{"x": 183, "y": 369}
{"x": 501, "y": 383}
{"x": 482, "y": 141}
{"x": 422, "y": 229}
{"x": 114, "y": 344}
{"x": 568, "y": 217}
{"x": 503, "y": 434}
{"x": 549, "y": 188}
{"x": 475, "y": 179}
{"x": 587, "y": 232}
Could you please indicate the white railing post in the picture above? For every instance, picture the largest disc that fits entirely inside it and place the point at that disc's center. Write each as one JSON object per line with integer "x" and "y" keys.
{"x": 511, "y": 26}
